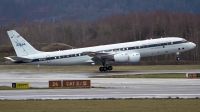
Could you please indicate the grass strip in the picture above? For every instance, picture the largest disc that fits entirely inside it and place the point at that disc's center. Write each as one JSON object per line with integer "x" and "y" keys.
{"x": 39, "y": 88}
{"x": 161, "y": 75}
{"x": 96, "y": 105}
{"x": 23, "y": 68}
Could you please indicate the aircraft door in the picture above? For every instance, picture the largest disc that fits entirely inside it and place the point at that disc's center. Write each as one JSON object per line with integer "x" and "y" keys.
{"x": 48, "y": 58}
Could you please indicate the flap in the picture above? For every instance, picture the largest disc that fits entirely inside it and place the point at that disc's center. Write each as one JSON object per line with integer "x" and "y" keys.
{"x": 97, "y": 54}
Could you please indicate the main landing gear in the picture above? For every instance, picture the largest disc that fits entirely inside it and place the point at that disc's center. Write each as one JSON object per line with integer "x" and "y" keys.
{"x": 102, "y": 69}
{"x": 105, "y": 66}
{"x": 177, "y": 56}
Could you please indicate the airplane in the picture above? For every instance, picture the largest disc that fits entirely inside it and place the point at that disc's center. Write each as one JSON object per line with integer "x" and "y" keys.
{"x": 129, "y": 52}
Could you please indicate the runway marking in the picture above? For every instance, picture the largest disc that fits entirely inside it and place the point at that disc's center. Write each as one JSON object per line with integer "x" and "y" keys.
{"x": 107, "y": 94}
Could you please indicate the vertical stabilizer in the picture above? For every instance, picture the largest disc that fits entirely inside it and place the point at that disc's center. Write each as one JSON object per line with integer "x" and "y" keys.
{"x": 21, "y": 46}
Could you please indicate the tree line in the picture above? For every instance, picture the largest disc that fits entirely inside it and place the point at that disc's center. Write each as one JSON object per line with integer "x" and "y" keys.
{"x": 113, "y": 29}
{"x": 59, "y": 10}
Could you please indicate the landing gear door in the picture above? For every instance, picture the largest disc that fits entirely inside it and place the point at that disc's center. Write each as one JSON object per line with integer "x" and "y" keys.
{"x": 48, "y": 58}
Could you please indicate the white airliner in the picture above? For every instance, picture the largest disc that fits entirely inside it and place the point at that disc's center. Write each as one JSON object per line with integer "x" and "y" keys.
{"x": 129, "y": 52}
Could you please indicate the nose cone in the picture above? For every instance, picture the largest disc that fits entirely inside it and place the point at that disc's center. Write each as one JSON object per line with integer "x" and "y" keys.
{"x": 192, "y": 45}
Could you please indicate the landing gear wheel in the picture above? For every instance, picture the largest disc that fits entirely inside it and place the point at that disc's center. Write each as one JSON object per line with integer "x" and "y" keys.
{"x": 101, "y": 69}
{"x": 110, "y": 67}
{"x": 177, "y": 56}
{"x": 104, "y": 68}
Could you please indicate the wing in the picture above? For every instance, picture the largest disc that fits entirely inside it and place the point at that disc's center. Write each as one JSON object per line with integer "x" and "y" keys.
{"x": 98, "y": 56}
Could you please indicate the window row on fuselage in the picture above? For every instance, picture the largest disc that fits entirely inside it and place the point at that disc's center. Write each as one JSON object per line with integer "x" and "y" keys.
{"x": 59, "y": 57}
{"x": 112, "y": 50}
{"x": 144, "y": 46}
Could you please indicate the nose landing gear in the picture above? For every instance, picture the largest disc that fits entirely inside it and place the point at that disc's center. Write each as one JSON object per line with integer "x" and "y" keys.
{"x": 177, "y": 56}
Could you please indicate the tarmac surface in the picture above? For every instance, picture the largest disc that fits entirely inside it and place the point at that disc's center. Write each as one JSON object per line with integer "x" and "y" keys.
{"x": 105, "y": 87}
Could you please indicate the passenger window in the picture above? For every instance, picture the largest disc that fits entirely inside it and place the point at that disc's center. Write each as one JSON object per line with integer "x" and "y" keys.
{"x": 115, "y": 49}
{"x": 131, "y": 48}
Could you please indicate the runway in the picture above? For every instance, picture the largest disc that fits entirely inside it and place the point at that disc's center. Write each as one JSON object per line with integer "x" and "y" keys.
{"x": 104, "y": 87}
{"x": 98, "y": 93}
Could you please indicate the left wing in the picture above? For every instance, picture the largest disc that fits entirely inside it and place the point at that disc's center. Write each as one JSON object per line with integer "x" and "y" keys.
{"x": 98, "y": 56}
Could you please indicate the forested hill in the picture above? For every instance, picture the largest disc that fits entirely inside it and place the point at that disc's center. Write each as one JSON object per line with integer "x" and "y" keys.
{"x": 58, "y": 10}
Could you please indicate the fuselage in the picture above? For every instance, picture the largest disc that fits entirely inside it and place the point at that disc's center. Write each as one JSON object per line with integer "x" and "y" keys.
{"x": 150, "y": 47}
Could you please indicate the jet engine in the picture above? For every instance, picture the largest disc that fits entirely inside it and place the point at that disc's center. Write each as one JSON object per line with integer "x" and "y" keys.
{"x": 121, "y": 57}
{"x": 134, "y": 57}
{"x": 125, "y": 57}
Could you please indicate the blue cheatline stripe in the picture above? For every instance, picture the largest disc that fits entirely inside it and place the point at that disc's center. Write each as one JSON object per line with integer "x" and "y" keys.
{"x": 129, "y": 48}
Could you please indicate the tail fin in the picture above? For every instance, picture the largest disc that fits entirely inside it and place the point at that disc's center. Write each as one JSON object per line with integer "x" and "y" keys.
{"x": 21, "y": 46}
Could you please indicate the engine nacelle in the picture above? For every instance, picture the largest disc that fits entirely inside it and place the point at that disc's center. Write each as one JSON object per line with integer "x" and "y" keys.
{"x": 122, "y": 57}
{"x": 125, "y": 57}
{"x": 134, "y": 57}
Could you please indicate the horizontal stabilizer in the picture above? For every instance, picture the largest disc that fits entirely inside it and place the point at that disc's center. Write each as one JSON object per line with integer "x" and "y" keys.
{"x": 18, "y": 59}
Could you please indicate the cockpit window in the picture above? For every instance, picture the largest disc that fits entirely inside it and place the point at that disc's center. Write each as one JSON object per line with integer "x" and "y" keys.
{"x": 184, "y": 41}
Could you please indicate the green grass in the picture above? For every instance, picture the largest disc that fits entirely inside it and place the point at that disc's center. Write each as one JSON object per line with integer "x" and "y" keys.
{"x": 22, "y": 68}
{"x": 5, "y": 88}
{"x": 123, "y": 105}
{"x": 10, "y": 88}
{"x": 163, "y": 75}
